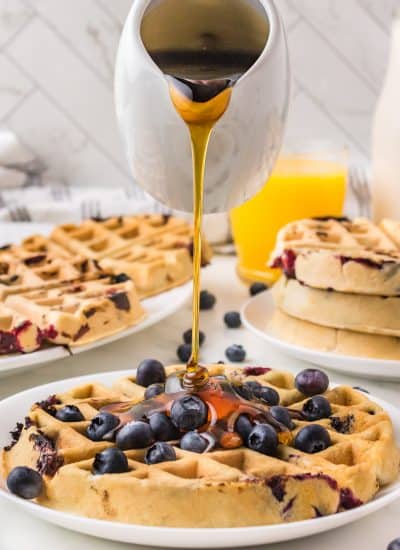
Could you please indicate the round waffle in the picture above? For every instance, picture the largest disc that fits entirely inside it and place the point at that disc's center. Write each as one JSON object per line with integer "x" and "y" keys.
{"x": 357, "y": 312}
{"x": 223, "y": 488}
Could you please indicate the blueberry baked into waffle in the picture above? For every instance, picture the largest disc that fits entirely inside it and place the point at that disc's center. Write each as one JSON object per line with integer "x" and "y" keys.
{"x": 340, "y": 287}
{"x": 254, "y": 447}
{"x": 85, "y": 281}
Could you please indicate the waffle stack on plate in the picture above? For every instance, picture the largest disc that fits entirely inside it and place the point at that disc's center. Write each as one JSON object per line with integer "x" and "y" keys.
{"x": 222, "y": 488}
{"x": 340, "y": 289}
{"x": 85, "y": 281}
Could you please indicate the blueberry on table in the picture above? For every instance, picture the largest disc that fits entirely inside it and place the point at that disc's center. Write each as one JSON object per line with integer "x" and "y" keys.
{"x": 268, "y": 395}
{"x": 311, "y": 382}
{"x": 150, "y": 371}
{"x": 25, "y": 482}
{"x": 196, "y": 442}
{"x": 134, "y": 435}
{"x": 69, "y": 413}
{"x": 101, "y": 425}
{"x": 187, "y": 337}
{"x": 244, "y": 427}
{"x": 236, "y": 353}
{"x": 232, "y": 319}
{"x": 312, "y": 439}
{"x": 110, "y": 461}
{"x": 160, "y": 452}
{"x": 282, "y": 415}
{"x": 184, "y": 352}
{"x": 316, "y": 408}
{"x": 257, "y": 288}
{"x": 154, "y": 390}
{"x": 394, "y": 545}
{"x": 263, "y": 439}
{"x": 162, "y": 427}
{"x": 207, "y": 300}
{"x": 189, "y": 412}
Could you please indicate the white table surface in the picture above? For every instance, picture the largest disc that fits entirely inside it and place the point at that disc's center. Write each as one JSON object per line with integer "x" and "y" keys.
{"x": 19, "y": 531}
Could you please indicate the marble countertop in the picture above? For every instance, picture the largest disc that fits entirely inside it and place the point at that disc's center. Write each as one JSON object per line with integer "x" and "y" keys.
{"x": 19, "y": 530}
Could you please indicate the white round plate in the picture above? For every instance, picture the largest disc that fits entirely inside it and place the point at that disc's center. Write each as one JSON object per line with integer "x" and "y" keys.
{"x": 14, "y": 408}
{"x": 157, "y": 308}
{"x": 257, "y": 312}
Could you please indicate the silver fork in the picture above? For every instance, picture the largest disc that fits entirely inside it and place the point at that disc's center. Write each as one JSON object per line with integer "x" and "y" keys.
{"x": 359, "y": 181}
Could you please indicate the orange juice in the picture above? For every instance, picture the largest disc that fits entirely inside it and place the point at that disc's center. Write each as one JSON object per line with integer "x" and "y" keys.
{"x": 300, "y": 187}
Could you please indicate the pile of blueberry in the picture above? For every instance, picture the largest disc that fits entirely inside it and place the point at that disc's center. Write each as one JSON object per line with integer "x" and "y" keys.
{"x": 188, "y": 414}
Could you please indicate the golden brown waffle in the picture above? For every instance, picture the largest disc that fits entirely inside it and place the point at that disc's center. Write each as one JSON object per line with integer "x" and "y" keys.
{"x": 356, "y": 257}
{"x": 158, "y": 263}
{"x": 344, "y": 342}
{"x": 100, "y": 239}
{"x": 17, "y": 333}
{"x": 357, "y": 312}
{"x": 79, "y": 313}
{"x": 23, "y": 272}
{"x": 223, "y": 488}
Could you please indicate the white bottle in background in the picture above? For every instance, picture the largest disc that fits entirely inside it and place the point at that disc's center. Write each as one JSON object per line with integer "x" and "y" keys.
{"x": 386, "y": 139}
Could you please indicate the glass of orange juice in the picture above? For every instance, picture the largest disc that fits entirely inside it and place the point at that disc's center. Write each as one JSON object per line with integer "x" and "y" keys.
{"x": 302, "y": 185}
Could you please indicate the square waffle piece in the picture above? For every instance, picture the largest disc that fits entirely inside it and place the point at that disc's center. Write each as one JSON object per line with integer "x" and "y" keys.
{"x": 81, "y": 312}
{"x": 158, "y": 263}
{"x": 353, "y": 257}
{"x": 103, "y": 238}
{"x": 219, "y": 488}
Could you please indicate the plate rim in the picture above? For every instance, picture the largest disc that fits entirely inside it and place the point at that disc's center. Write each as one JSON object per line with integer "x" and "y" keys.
{"x": 271, "y": 533}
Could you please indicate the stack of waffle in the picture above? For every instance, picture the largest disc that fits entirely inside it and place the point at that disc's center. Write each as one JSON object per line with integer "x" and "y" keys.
{"x": 85, "y": 282}
{"x": 340, "y": 289}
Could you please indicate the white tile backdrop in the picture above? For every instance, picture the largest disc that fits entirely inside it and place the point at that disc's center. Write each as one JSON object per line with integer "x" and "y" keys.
{"x": 56, "y": 72}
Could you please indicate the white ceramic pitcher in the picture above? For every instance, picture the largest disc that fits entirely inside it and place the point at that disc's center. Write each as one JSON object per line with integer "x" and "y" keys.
{"x": 245, "y": 141}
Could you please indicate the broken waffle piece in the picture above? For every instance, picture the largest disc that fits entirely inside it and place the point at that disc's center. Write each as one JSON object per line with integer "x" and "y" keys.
{"x": 76, "y": 314}
{"x": 17, "y": 333}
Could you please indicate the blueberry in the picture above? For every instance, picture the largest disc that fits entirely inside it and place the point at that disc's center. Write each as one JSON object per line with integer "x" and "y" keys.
{"x": 162, "y": 427}
{"x": 154, "y": 390}
{"x": 69, "y": 413}
{"x": 244, "y": 391}
{"x": 134, "y": 435}
{"x": 101, "y": 425}
{"x": 311, "y": 382}
{"x": 394, "y": 545}
{"x": 25, "y": 482}
{"x": 195, "y": 442}
{"x": 184, "y": 352}
{"x": 160, "y": 452}
{"x": 253, "y": 386}
{"x": 187, "y": 337}
{"x": 120, "y": 278}
{"x": 110, "y": 461}
{"x": 257, "y": 288}
{"x": 207, "y": 300}
{"x": 316, "y": 408}
{"x": 150, "y": 371}
{"x": 189, "y": 412}
{"x": 263, "y": 439}
{"x": 232, "y": 319}
{"x": 243, "y": 427}
{"x": 282, "y": 415}
{"x": 312, "y": 439}
{"x": 268, "y": 395}
{"x": 235, "y": 353}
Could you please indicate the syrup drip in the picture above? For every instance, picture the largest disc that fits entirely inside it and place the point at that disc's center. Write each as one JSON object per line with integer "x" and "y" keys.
{"x": 224, "y": 408}
{"x": 201, "y": 103}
